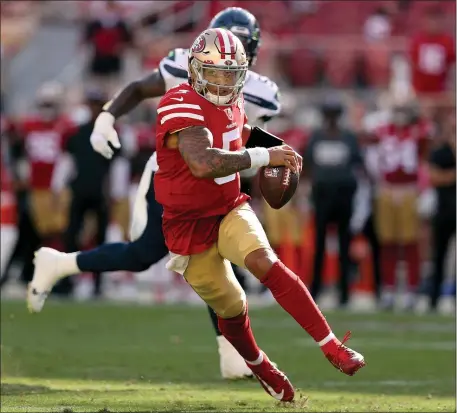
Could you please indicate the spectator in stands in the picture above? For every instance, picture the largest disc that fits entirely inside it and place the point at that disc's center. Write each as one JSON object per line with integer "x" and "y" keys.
{"x": 442, "y": 167}
{"x": 331, "y": 159}
{"x": 93, "y": 180}
{"x": 432, "y": 54}
{"x": 107, "y": 35}
{"x": 378, "y": 26}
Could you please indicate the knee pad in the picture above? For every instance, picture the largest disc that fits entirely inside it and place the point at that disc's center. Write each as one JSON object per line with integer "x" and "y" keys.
{"x": 232, "y": 308}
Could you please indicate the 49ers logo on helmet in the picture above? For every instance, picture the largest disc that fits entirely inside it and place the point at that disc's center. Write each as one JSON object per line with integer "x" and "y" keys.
{"x": 199, "y": 44}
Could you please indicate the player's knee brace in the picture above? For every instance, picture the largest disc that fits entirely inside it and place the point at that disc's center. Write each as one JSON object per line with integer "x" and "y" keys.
{"x": 232, "y": 309}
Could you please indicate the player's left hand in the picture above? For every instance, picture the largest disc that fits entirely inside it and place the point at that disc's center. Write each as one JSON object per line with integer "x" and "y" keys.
{"x": 299, "y": 162}
{"x": 297, "y": 165}
{"x": 104, "y": 134}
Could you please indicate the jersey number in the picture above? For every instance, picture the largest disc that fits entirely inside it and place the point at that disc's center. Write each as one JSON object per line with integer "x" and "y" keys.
{"x": 228, "y": 137}
{"x": 399, "y": 155}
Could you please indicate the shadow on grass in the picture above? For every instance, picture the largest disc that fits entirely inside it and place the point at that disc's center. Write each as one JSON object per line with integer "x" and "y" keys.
{"x": 10, "y": 389}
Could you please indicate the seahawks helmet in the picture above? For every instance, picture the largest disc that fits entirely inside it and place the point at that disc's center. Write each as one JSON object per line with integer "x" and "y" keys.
{"x": 242, "y": 24}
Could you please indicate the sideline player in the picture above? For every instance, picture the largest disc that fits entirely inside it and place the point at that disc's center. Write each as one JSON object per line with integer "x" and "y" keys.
{"x": 148, "y": 244}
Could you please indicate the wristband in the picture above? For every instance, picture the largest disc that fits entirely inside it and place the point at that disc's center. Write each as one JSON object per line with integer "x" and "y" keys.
{"x": 259, "y": 157}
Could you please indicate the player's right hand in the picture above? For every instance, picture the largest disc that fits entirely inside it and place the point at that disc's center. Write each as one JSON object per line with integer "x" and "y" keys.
{"x": 284, "y": 155}
{"x": 104, "y": 134}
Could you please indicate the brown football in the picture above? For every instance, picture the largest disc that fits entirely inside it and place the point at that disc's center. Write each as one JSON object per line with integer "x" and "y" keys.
{"x": 277, "y": 185}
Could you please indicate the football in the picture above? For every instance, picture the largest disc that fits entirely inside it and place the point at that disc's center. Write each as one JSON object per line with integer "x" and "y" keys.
{"x": 277, "y": 185}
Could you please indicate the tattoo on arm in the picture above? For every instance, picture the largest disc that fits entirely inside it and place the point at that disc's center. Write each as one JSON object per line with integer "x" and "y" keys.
{"x": 205, "y": 161}
{"x": 135, "y": 92}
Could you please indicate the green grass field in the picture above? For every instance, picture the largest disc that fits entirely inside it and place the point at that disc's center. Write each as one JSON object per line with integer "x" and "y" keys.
{"x": 100, "y": 357}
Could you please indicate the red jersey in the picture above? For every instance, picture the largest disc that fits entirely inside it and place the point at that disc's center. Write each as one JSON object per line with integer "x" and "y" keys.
{"x": 400, "y": 150}
{"x": 431, "y": 58}
{"x": 193, "y": 207}
{"x": 43, "y": 143}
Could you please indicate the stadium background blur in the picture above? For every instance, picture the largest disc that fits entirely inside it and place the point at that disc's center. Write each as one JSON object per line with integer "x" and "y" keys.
{"x": 358, "y": 52}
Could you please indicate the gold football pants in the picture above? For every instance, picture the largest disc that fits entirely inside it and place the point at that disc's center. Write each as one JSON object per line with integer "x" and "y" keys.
{"x": 210, "y": 273}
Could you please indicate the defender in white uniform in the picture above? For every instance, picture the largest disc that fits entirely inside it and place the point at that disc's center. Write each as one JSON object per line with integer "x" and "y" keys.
{"x": 148, "y": 246}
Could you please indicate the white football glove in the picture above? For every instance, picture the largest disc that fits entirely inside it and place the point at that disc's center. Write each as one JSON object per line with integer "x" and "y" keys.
{"x": 103, "y": 134}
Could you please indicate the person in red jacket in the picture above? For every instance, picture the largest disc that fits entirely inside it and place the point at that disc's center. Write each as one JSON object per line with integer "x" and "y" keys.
{"x": 432, "y": 55}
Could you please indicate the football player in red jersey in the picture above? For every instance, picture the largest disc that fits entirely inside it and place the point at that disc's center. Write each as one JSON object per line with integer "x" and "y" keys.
{"x": 207, "y": 222}
{"x": 43, "y": 137}
{"x": 402, "y": 146}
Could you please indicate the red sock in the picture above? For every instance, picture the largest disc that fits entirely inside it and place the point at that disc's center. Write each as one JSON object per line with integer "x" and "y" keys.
{"x": 413, "y": 262}
{"x": 237, "y": 331}
{"x": 389, "y": 256}
{"x": 292, "y": 295}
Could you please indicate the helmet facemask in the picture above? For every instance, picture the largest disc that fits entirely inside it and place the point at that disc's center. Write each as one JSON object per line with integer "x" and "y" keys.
{"x": 220, "y": 85}
{"x": 218, "y": 66}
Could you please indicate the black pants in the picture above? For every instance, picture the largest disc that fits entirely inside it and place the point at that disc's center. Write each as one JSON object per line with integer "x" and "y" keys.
{"x": 27, "y": 243}
{"x": 443, "y": 230}
{"x": 80, "y": 206}
{"x": 105, "y": 65}
{"x": 332, "y": 205}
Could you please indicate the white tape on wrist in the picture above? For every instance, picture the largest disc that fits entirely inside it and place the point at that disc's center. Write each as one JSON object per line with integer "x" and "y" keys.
{"x": 259, "y": 157}
{"x": 104, "y": 120}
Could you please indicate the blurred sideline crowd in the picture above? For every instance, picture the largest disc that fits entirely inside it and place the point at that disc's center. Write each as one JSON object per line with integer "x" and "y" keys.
{"x": 368, "y": 99}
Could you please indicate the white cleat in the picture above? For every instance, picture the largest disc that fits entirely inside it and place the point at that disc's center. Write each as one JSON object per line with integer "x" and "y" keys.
{"x": 48, "y": 271}
{"x": 232, "y": 364}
